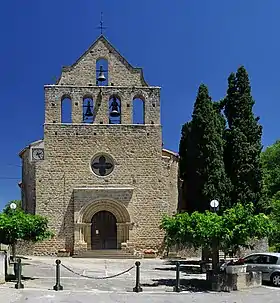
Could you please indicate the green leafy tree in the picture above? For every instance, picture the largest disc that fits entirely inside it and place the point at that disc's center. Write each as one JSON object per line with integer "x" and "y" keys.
{"x": 243, "y": 137}
{"x": 274, "y": 239}
{"x": 270, "y": 159}
{"x": 7, "y": 209}
{"x": 17, "y": 225}
{"x": 201, "y": 156}
{"x": 234, "y": 228}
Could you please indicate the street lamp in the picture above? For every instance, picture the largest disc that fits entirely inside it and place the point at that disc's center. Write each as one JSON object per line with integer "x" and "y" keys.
{"x": 13, "y": 206}
{"x": 214, "y": 205}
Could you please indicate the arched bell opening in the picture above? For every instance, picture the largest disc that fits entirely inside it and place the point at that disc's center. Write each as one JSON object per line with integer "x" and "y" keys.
{"x": 138, "y": 110}
{"x": 114, "y": 110}
{"x": 102, "y": 72}
{"x": 88, "y": 110}
{"x": 66, "y": 109}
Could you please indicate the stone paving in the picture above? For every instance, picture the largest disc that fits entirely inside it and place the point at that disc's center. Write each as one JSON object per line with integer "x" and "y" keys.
{"x": 157, "y": 279}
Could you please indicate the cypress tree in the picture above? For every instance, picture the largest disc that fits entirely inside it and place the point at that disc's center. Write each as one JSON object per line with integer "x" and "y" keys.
{"x": 201, "y": 156}
{"x": 243, "y": 141}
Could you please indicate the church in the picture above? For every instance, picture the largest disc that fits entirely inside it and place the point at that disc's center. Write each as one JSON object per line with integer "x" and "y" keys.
{"x": 103, "y": 180}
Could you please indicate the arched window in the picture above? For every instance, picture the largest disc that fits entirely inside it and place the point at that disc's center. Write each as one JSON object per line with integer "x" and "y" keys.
{"x": 101, "y": 72}
{"x": 66, "y": 110}
{"x": 114, "y": 110}
{"x": 138, "y": 110}
{"x": 88, "y": 110}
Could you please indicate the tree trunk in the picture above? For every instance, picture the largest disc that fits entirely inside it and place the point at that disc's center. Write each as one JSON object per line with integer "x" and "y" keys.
{"x": 215, "y": 257}
{"x": 206, "y": 254}
{"x": 14, "y": 252}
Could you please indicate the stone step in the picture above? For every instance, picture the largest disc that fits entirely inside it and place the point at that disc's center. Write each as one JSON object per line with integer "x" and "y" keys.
{"x": 106, "y": 254}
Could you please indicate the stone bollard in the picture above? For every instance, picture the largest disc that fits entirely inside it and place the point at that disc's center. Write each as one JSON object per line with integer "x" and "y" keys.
{"x": 177, "y": 287}
{"x": 2, "y": 267}
{"x": 57, "y": 286}
{"x": 137, "y": 287}
{"x": 19, "y": 285}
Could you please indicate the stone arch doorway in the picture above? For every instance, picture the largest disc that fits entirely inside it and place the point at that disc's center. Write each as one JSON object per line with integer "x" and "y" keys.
{"x": 103, "y": 230}
{"x": 84, "y": 231}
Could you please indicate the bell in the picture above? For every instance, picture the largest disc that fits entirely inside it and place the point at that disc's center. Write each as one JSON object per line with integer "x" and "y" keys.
{"x": 115, "y": 108}
{"x": 114, "y": 113}
{"x": 101, "y": 77}
{"x": 88, "y": 111}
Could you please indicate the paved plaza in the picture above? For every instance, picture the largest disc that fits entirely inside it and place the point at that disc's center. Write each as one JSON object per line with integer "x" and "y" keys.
{"x": 157, "y": 280}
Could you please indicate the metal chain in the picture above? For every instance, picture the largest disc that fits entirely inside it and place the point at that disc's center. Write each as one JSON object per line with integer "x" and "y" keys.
{"x": 97, "y": 278}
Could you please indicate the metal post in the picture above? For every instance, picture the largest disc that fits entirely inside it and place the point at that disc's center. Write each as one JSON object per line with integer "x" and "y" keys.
{"x": 137, "y": 287}
{"x": 19, "y": 285}
{"x": 177, "y": 287}
{"x": 57, "y": 286}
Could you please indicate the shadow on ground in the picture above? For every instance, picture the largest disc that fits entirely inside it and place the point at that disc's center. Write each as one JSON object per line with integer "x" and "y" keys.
{"x": 12, "y": 278}
{"x": 194, "y": 285}
{"x": 188, "y": 267}
{"x": 190, "y": 270}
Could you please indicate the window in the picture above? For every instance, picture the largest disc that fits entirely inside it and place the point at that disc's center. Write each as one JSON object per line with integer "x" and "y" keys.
{"x": 101, "y": 72}
{"x": 267, "y": 259}
{"x": 102, "y": 165}
{"x": 261, "y": 259}
{"x": 66, "y": 109}
{"x": 251, "y": 259}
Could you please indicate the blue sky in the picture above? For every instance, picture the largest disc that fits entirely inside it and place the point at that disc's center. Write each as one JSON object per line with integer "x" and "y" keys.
{"x": 179, "y": 44}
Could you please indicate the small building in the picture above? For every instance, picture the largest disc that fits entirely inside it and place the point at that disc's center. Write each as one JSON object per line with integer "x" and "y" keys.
{"x": 100, "y": 173}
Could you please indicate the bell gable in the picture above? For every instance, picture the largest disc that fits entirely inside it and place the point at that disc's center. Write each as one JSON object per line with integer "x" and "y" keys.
{"x": 84, "y": 72}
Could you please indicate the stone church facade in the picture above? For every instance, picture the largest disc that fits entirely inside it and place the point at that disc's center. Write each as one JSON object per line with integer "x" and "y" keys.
{"x": 102, "y": 184}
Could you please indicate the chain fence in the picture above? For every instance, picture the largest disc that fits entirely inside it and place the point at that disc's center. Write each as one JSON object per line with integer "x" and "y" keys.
{"x": 98, "y": 278}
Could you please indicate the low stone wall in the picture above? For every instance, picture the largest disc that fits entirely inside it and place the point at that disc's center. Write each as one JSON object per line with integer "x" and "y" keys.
{"x": 258, "y": 246}
{"x": 25, "y": 248}
{"x": 2, "y": 267}
{"x": 182, "y": 252}
{"x": 229, "y": 282}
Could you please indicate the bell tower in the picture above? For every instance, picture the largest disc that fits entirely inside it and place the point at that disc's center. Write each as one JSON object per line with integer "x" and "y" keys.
{"x": 101, "y": 166}
{"x": 99, "y": 94}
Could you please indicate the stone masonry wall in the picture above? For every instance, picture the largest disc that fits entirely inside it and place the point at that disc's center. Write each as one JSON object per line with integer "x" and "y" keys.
{"x": 28, "y": 184}
{"x": 135, "y": 149}
{"x": 68, "y": 152}
{"x": 101, "y": 96}
{"x": 169, "y": 178}
{"x": 83, "y": 72}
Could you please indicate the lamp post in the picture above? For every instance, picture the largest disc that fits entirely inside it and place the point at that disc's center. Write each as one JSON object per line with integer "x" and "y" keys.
{"x": 13, "y": 207}
{"x": 214, "y": 207}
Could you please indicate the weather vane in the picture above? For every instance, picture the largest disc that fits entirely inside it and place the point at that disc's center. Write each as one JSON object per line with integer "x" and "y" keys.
{"x": 101, "y": 27}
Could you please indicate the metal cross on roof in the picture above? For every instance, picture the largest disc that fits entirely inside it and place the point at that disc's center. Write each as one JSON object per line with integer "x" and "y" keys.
{"x": 101, "y": 27}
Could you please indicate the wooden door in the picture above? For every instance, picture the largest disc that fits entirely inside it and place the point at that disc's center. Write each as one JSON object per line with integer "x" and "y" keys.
{"x": 104, "y": 231}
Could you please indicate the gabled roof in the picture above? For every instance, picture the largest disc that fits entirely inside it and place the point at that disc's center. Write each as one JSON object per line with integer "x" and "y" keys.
{"x": 28, "y": 146}
{"x": 170, "y": 152}
{"x": 111, "y": 49}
